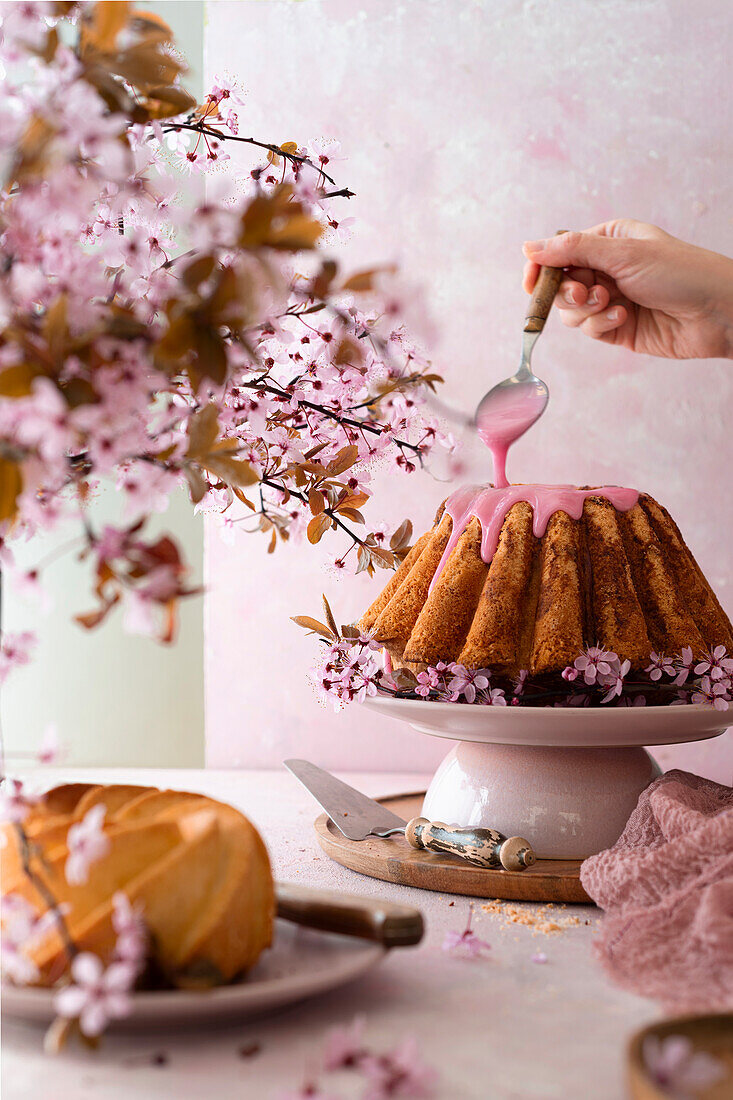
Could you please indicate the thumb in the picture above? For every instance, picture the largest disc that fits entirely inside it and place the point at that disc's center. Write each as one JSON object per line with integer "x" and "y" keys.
{"x": 607, "y": 254}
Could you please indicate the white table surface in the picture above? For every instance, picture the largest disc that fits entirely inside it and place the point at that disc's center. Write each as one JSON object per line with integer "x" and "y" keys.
{"x": 500, "y": 1028}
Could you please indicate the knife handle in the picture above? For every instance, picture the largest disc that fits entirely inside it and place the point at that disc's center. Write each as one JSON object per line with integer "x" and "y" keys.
{"x": 350, "y": 915}
{"x": 543, "y": 295}
{"x": 482, "y": 847}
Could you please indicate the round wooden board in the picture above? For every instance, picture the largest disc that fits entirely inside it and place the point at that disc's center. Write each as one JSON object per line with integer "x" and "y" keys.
{"x": 393, "y": 860}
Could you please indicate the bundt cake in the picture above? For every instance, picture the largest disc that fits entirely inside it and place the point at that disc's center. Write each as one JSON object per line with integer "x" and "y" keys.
{"x": 525, "y": 577}
{"x": 197, "y": 870}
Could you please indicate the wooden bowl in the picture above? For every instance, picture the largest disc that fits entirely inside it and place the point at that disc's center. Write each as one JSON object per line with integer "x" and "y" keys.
{"x": 712, "y": 1034}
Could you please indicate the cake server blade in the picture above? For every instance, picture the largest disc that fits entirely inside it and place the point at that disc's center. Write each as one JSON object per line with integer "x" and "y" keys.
{"x": 353, "y": 814}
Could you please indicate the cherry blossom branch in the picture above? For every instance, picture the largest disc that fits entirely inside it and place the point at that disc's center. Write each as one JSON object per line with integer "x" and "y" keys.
{"x": 304, "y": 499}
{"x": 361, "y": 425}
{"x": 294, "y": 158}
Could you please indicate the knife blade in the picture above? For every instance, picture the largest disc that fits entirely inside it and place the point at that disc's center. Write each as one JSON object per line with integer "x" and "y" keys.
{"x": 353, "y": 814}
{"x": 358, "y": 817}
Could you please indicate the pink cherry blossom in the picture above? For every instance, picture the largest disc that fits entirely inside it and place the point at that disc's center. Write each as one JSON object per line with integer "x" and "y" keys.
{"x": 15, "y": 802}
{"x": 520, "y": 681}
{"x": 50, "y": 749}
{"x": 678, "y": 1069}
{"x": 715, "y": 664}
{"x": 21, "y": 927}
{"x": 683, "y": 665}
{"x": 96, "y": 995}
{"x": 613, "y": 681}
{"x": 539, "y": 957}
{"x": 593, "y": 662}
{"x": 659, "y": 664}
{"x": 493, "y": 697}
{"x": 344, "y": 1046}
{"x": 714, "y": 693}
{"x": 86, "y": 843}
{"x": 15, "y": 651}
{"x": 324, "y": 151}
{"x": 309, "y": 1090}
{"x": 465, "y": 944}
{"x": 399, "y": 1073}
{"x": 132, "y": 939}
{"x": 466, "y": 682}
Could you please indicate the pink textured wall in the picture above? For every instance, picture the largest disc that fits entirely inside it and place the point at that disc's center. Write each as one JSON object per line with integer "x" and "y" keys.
{"x": 469, "y": 127}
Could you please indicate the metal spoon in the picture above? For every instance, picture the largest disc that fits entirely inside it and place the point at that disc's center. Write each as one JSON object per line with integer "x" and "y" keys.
{"x": 514, "y": 405}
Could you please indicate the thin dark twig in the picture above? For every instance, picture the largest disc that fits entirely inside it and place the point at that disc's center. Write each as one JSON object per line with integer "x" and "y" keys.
{"x": 294, "y": 158}
{"x": 25, "y": 854}
{"x": 328, "y": 511}
{"x": 361, "y": 425}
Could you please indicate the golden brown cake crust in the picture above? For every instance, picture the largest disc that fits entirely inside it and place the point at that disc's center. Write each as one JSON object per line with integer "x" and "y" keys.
{"x": 197, "y": 869}
{"x": 623, "y": 580}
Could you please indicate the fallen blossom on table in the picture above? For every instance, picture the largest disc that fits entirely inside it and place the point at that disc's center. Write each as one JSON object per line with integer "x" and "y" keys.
{"x": 307, "y": 1091}
{"x": 465, "y": 944}
{"x": 96, "y": 995}
{"x": 344, "y": 1046}
{"x": 399, "y": 1073}
{"x": 86, "y": 843}
{"x": 678, "y": 1068}
{"x": 539, "y": 957}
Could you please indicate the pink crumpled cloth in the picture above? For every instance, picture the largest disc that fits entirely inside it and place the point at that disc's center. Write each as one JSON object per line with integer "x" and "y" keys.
{"x": 667, "y": 890}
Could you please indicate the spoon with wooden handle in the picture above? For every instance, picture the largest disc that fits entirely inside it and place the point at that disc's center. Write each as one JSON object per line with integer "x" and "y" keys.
{"x": 513, "y": 406}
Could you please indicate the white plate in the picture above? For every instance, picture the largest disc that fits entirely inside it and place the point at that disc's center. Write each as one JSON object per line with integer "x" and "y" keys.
{"x": 301, "y": 963}
{"x": 567, "y": 727}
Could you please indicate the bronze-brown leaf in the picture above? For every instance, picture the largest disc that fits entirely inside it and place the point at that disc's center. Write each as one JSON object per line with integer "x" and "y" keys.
{"x": 17, "y": 381}
{"x": 313, "y": 626}
{"x": 318, "y": 527}
{"x": 316, "y": 501}
{"x": 203, "y": 431}
{"x": 402, "y": 535}
{"x": 343, "y": 461}
{"x": 11, "y": 486}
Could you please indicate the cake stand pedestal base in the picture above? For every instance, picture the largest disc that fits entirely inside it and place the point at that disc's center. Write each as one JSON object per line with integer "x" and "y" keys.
{"x": 567, "y": 802}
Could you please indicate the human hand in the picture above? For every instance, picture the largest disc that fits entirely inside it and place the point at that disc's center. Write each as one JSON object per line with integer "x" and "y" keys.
{"x": 634, "y": 285}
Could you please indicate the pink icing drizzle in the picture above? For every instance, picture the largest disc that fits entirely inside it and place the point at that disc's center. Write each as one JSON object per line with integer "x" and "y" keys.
{"x": 490, "y": 506}
{"x": 508, "y": 415}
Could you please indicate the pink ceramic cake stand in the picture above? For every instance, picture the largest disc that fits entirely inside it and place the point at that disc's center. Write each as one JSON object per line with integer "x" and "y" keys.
{"x": 566, "y": 779}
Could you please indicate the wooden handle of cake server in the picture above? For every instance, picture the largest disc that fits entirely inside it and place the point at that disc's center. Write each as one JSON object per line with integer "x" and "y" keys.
{"x": 543, "y": 295}
{"x": 350, "y": 915}
{"x": 482, "y": 847}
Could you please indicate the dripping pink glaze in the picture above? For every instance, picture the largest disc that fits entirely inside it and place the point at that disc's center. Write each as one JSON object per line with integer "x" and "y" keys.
{"x": 506, "y": 415}
{"x": 490, "y": 506}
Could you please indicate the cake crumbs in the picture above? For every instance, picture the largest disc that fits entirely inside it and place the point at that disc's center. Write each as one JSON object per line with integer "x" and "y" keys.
{"x": 544, "y": 920}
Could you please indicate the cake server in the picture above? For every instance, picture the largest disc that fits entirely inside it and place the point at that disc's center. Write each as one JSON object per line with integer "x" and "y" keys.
{"x": 359, "y": 817}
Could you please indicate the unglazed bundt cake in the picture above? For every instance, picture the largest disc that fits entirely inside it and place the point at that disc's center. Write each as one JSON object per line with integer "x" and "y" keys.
{"x": 525, "y": 577}
{"x": 196, "y": 869}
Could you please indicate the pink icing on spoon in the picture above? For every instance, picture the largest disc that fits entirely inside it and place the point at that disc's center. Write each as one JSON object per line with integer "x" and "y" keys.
{"x": 490, "y": 506}
{"x": 504, "y": 415}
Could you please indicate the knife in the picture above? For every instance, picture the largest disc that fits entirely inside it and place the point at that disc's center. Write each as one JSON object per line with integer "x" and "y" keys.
{"x": 372, "y": 919}
{"x": 359, "y": 817}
